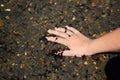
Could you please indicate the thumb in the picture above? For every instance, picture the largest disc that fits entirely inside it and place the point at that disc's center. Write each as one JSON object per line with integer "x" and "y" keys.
{"x": 71, "y": 53}
{"x": 68, "y": 53}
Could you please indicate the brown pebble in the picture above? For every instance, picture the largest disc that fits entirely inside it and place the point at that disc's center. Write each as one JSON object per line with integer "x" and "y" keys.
{"x": 1, "y": 23}
{"x": 93, "y": 4}
{"x": 32, "y": 46}
{"x": 34, "y": 24}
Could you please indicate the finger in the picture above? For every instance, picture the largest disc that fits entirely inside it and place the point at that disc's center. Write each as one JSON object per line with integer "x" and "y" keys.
{"x": 58, "y": 33}
{"x": 60, "y": 29}
{"x": 57, "y": 40}
{"x": 64, "y": 30}
{"x": 71, "y": 53}
{"x": 72, "y": 29}
{"x": 68, "y": 53}
{"x": 75, "y": 31}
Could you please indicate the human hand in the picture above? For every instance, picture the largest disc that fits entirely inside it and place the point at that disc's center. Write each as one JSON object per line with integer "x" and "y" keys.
{"x": 77, "y": 43}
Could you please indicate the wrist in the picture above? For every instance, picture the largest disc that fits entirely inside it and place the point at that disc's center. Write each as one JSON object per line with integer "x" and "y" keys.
{"x": 90, "y": 48}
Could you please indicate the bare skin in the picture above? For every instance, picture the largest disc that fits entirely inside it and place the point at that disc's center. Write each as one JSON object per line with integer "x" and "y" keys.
{"x": 79, "y": 44}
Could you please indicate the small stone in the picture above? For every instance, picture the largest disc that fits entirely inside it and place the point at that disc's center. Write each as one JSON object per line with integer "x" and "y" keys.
{"x": 107, "y": 7}
{"x": 94, "y": 63}
{"x": 51, "y": 2}
{"x": 77, "y": 74}
{"x": 70, "y": 61}
{"x": 73, "y": 10}
{"x": 102, "y": 59}
{"x": 64, "y": 65}
{"x": 29, "y": 9}
{"x": 8, "y": 10}
{"x": 86, "y": 63}
{"x": 2, "y": 5}
{"x": 96, "y": 67}
{"x": 30, "y": 4}
{"x": 84, "y": 1}
{"x": 7, "y": 17}
{"x": 103, "y": 33}
{"x": 25, "y": 53}
{"x": 1, "y": 23}
{"x": 22, "y": 45}
{"x": 16, "y": 33}
{"x": 61, "y": 17}
{"x": 32, "y": 46}
{"x": 21, "y": 66}
{"x": 66, "y": 12}
{"x": 35, "y": 24}
{"x": 55, "y": 3}
{"x": 25, "y": 76}
{"x": 93, "y": 4}
{"x": 41, "y": 60}
{"x": 103, "y": 15}
{"x": 18, "y": 54}
{"x": 73, "y": 18}
{"x": 42, "y": 46}
{"x": 94, "y": 35}
{"x": 31, "y": 18}
{"x": 13, "y": 64}
{"x": 104, "y": 56}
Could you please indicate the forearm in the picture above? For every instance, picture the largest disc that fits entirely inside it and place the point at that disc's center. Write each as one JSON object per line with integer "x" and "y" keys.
{"x": 106, "y": 43}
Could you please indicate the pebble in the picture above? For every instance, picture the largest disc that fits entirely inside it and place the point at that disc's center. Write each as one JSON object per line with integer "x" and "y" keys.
{"x": 94, "y": 35}
{"x": 18, "y": 54}
{"x": 25, "y": 76}
{"x": 93, "y": 4}
{"x": 31, "y": 18}
{"x": 103, "y": 33}
{"x": 7, "y": 17}
{"x": 21, "y": 66}
{"x": 51, "y": 1}
{"x": 32, "y": 46}
{"x": 84, "y": 1}
{"x": 104, "y": 15}
{"x": 64, "y": 65}
{"x": 2, "y": 5}
{"x": 13, "y": 64}
{"x": 1, "y": 23}
{"x": 35, "y": 24}
{"x": 8, "y": 10}
{"x": 29, "y": 9}
{"x": 25, "y": 53}
{"x": 96, "y": 67}
{"x": 86, "y": 63}
{"x": 94, "y": 63}
{"x": 73, "y": 18}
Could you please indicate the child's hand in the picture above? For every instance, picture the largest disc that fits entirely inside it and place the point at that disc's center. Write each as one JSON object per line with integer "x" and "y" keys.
{"x": 73, "y": 39}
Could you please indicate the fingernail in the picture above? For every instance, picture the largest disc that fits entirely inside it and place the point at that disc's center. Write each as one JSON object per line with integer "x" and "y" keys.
{"x": 47, "y": 38}
{"x": 67, "y": 26}
{"x": 49, "y": 31}
{"x": 56, "y": 28}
